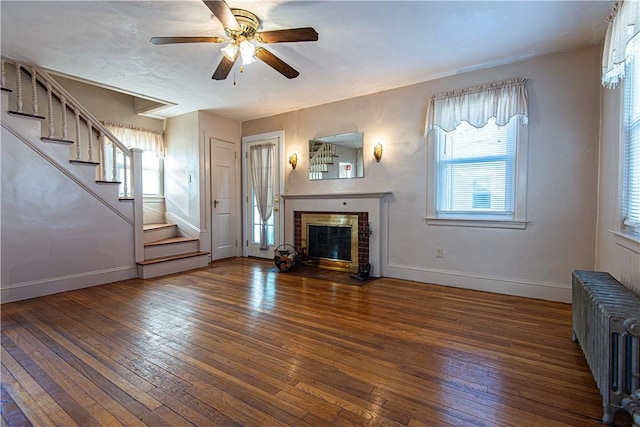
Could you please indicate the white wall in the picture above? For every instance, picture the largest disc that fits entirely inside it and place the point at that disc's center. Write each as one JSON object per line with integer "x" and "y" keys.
{"x": 618, "y": 256}
{"x": 187, "y": 166}
{"x": 55, "y": 236}
{"x": 564, "y": 99}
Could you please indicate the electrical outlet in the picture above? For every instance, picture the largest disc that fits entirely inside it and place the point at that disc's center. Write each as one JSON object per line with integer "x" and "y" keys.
{"x": 439, "y": 253}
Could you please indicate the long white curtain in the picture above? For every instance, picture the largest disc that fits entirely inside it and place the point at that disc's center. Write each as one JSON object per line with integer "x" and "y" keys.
{"x": 261, "y": 165}
{"x": 477, "y": 105}
{"x": 621, "y": 41}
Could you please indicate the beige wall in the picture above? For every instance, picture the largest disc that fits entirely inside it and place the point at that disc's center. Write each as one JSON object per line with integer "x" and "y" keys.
{"x": 187, "y": 166}
{"x": 618, "y": 256}
{"x": 564, "y": 103}
{"x": 109, "y": 105}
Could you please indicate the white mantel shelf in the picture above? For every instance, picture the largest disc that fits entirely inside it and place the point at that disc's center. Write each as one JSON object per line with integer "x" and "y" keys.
{"x": 373, "y": 195}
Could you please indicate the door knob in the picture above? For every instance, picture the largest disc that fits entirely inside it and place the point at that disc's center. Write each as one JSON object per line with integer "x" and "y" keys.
{"x": 215, "y": 203}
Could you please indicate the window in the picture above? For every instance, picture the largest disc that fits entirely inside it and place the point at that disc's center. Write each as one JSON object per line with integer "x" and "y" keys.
{"x": 152, "y": 157}
{"x": 477, "y": 157}
{"x": 631, "y": 147}
{"x": 152, "y": 175}
{"x": 475, "y": 170}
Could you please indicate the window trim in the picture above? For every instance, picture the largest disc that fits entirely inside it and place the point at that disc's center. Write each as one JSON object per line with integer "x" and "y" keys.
{"x": 627, "y": 231}
{"x": 482, "y": 220}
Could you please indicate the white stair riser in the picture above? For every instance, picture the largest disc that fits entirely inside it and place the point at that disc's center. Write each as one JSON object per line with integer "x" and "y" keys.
{"x": 170, "y": 249}
{"x": 173, "y": 266}
{"x": 160, "y": 233}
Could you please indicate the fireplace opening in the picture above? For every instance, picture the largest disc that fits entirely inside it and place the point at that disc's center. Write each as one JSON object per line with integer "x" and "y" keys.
{"x": 329, "y": 242}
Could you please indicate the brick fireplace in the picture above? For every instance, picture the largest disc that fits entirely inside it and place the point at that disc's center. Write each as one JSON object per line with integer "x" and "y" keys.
{"x": 370, "y": 207}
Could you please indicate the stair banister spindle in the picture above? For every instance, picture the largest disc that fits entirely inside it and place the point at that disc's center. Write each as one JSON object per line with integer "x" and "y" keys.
{"x": 34, "y": 90}
{"x": 50, "y": 109}
{"x": 4, "y": 75}
{"x": 77, "y": 134}
{"x": 19, "y": 87}
{"x": 63, "y": 100}
{"x": 90, "y": 132}
{"x": 125, "y": 183}
{"x": 103, "y": 163}
{"x": 114, "y": 163}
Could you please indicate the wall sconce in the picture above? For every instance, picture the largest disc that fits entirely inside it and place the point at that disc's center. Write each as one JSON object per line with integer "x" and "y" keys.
{"x": 293, "y": 160}
{"x": 377, "y": 152}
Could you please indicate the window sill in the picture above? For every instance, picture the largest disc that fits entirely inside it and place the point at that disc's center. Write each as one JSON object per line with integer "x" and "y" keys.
{"x": 479, "y": 223}
{"x": 627, "y": 240}
{"x": 153, "y": 198}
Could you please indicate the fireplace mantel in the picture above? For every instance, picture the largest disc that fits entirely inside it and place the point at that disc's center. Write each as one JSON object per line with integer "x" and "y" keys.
{"x": 371, "y": 195}
{"x": 375, "y": 204}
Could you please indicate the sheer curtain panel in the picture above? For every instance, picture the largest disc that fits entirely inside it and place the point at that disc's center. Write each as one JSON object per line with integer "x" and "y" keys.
{"x": 261, "y": 158}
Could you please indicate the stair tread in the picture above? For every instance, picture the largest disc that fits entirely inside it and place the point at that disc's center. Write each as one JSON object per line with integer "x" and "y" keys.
{"x": 157, "y": 226}
{"x": 171, "y": 258}
{"x": 170, "y": 240}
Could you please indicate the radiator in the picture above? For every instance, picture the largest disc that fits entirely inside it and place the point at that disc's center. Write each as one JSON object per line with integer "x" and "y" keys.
{"x": 606, "y": 323}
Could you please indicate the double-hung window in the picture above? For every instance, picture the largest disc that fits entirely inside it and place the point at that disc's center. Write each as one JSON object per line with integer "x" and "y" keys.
{"x": 477, "y": 156}
{"x": 631, "y": 147}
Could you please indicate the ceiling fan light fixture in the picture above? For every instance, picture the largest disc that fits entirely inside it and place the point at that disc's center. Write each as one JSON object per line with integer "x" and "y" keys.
{"x": 248, "y": 52}
{"x": 230, "y": 51}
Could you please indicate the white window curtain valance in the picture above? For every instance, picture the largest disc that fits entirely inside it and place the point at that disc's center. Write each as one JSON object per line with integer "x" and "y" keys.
{"x": 621, "y": 42}
{"x": 477, "y": 105}
{"x": 135, "y": 137}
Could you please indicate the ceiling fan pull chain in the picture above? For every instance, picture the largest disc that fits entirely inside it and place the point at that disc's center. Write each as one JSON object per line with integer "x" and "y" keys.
{"x": 234, "y": 76}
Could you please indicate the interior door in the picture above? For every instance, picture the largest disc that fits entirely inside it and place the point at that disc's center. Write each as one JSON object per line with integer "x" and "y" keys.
{"x": 224, "y": 202}
{"x": 253, "y": 222}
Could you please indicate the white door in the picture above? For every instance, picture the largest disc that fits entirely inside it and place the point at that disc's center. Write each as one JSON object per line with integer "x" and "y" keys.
{"x": 252, "y": 218}
{"x": 224, "y": 199}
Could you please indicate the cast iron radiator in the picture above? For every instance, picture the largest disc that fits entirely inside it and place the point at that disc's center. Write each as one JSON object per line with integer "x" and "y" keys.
{"x": 606, "y": 323}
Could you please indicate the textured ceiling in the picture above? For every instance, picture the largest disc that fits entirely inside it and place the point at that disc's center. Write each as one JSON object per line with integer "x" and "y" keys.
{"x": 363, "y": 46}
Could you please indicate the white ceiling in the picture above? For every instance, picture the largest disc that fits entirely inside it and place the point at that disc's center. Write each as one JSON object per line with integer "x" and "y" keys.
{"x": 363, "y": 46}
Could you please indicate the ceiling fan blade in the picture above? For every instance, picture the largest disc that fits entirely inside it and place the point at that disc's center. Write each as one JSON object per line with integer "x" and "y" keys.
{"x": 306, "y": 34}
{"x": 276, "y": 63}
{"x": 224, "y": 67}
{"x": 223, "y": 13}
{"x": 173, "y": 40}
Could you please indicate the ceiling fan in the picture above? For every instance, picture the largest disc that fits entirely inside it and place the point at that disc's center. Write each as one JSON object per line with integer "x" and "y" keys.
{"x": 241, "y": 28}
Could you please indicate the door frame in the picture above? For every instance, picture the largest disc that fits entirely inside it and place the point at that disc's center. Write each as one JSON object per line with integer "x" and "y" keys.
{"x": 279, "y": 184}
{"x": 234, "y": 206}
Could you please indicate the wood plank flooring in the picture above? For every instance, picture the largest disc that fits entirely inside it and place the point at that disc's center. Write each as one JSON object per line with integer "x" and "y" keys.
{"x": 237, "y": 343}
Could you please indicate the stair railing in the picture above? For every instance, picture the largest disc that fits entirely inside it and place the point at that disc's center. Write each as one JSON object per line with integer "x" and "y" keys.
{"x": 100, "y": 146}
{"x": 94, "y": 144}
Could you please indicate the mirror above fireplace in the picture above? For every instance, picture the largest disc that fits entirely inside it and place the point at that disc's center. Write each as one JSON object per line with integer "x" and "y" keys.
{"x": 336, "y": 157}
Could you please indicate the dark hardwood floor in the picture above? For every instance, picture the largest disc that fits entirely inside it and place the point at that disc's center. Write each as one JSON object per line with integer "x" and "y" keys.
{"x": 240, "y": 344}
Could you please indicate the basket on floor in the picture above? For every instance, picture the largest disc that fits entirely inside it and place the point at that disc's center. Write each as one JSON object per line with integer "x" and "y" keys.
{"x": 285, "y": 257}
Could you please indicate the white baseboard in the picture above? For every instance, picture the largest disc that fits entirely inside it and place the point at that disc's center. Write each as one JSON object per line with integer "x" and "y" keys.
{"x": 54, "y": 285}
{"x": 502, "y": 285}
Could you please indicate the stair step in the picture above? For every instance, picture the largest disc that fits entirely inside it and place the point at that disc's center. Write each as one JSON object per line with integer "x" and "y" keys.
{"x": 172, "y": 258}
{"x": 57, "y": 140}
{"x": 29, "y": 115}
{"x": 170, "y": 265}
{"x": 157, "y": 226}
{"x": 84, "y": 162}
{"x": 171, "y": 240}
{"x": 170, "y": 246}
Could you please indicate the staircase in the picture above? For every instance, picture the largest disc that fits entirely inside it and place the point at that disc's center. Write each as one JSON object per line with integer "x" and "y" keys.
{"x": 167, "y": 252}
{"x": 71, "y": 139}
